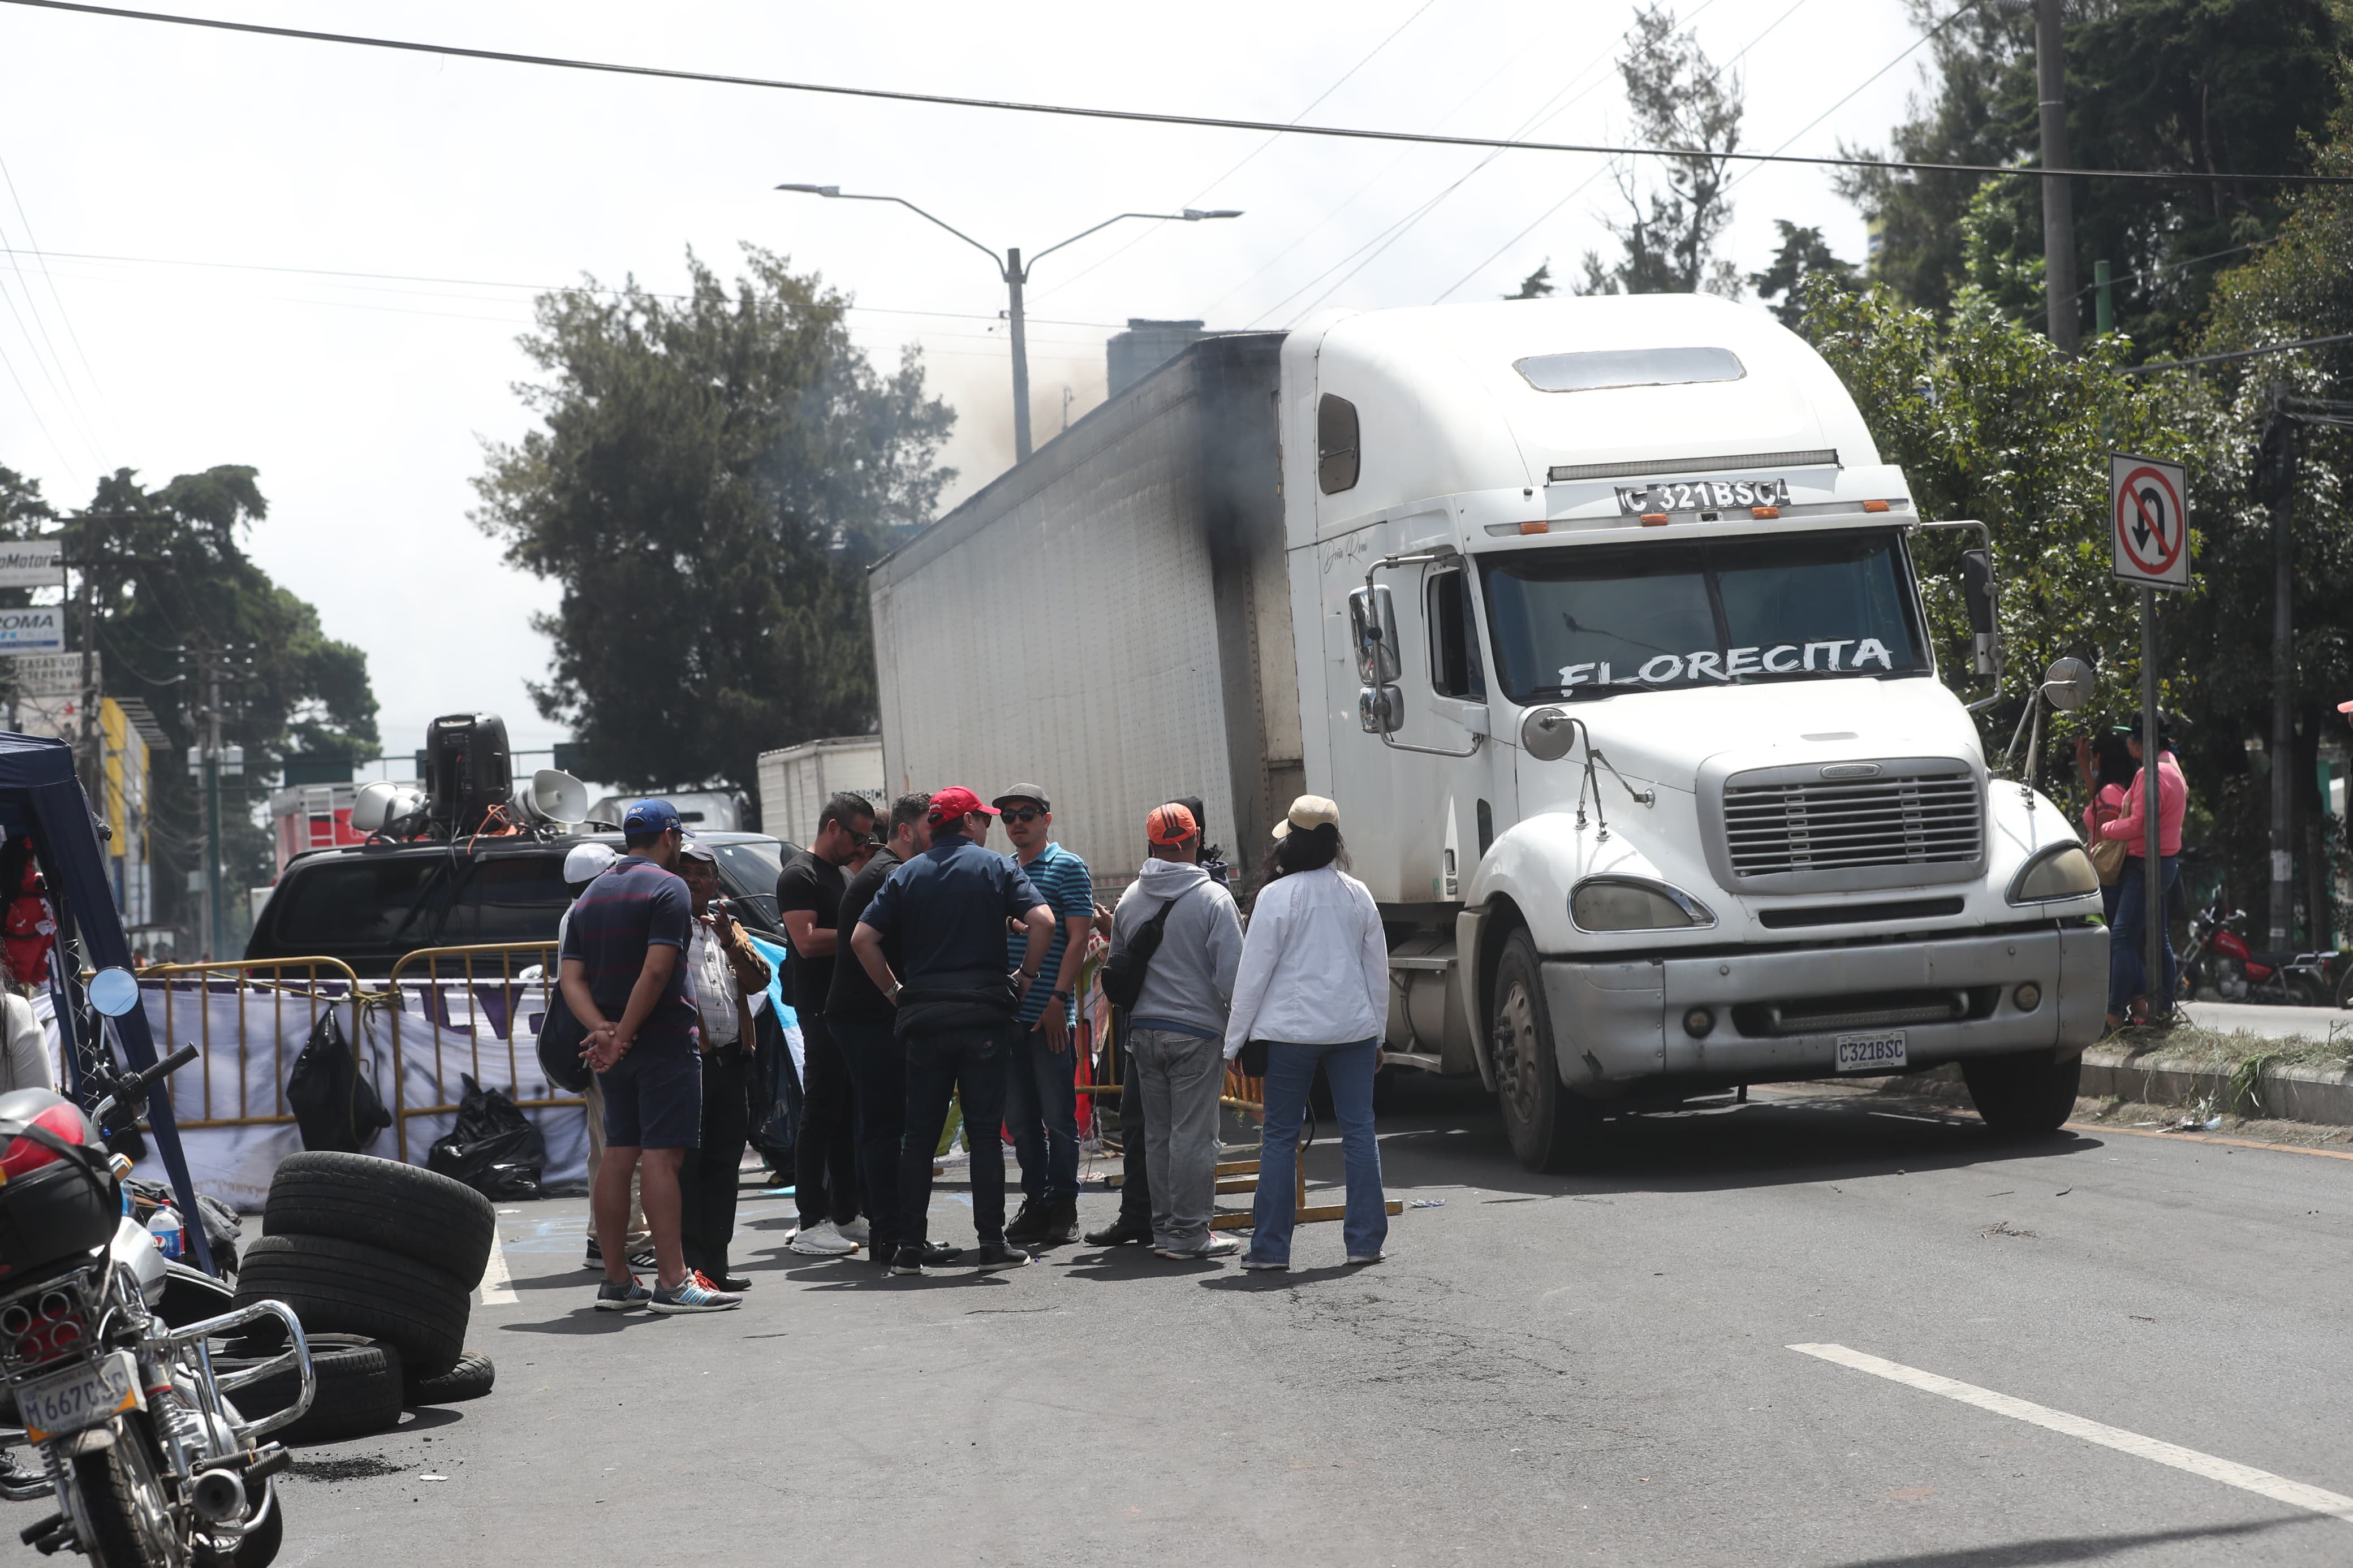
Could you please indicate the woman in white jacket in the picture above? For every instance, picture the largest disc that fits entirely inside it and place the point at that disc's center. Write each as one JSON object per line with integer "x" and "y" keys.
{"x": 1315, "y": 985}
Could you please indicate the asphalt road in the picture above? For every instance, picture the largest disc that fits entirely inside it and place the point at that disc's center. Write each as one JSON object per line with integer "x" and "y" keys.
{"x": 1593, "y": 1369}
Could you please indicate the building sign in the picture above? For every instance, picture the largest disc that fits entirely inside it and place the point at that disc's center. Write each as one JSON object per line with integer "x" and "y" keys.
{"x": 40, "y": 630}
{"x": 32, "y": 562}
{"x": 55, "y": 674}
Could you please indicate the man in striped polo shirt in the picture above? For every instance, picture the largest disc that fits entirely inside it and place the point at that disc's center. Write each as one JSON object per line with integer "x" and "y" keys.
{"x": 1041, "y": 1102}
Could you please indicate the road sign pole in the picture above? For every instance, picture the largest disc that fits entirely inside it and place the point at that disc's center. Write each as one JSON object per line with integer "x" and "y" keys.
{"x": 2152, "y": 798}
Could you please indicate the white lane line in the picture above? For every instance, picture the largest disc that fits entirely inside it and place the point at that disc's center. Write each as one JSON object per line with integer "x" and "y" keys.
{"x": 2246, "y": 1477}
{"x": 498, "y": 1284}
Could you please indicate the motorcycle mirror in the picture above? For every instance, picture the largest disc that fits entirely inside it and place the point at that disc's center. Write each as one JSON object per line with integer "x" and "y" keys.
{"x": 2069, "y": 683}
{"x": 113, "y": 991}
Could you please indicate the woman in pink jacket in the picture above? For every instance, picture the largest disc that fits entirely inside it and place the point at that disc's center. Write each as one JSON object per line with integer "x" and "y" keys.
{"x": 2127, "y": 979}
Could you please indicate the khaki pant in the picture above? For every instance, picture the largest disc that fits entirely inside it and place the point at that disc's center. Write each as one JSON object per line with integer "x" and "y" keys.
{"x": 640, "y": 1237}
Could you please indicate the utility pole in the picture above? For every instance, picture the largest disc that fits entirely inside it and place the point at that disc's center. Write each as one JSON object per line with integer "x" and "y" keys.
{"x": 2280, "y": 475}
{"x": 2058, "y": 202}
{"x": 1014, "y": 279}
{"x": 214, "y": 929}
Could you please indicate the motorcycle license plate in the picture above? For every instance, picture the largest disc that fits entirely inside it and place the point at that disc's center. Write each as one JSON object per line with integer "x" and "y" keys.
{"x": 1883, "y": 1052}
{"x": 78, "y": 1396}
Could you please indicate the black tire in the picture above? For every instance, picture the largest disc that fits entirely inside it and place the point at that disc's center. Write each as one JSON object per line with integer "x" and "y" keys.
{"x": 418, "y": 1214}
{"x": 348, "y": 1286}
{"x": 190, "y": 1296}
{"x": 2024, "y": 1093}
{"x": 470, "y": 1379}
{"x": 1550, "y": 1127}
{"x": 256, "y": 1549}
{"x": 130, "y": 1519}
{"x": 361, "y": 1392}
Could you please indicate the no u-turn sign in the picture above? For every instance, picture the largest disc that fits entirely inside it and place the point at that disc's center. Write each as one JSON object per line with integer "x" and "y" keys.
{"x": 2148, "y": 515}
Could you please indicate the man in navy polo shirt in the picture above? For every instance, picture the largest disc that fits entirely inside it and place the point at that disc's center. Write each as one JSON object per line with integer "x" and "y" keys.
{"x": 946, "y": 911}
{"x": 624, "y": 976}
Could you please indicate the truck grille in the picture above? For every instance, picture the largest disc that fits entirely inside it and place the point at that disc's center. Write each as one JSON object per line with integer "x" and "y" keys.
{"x": 1848, "y": 825}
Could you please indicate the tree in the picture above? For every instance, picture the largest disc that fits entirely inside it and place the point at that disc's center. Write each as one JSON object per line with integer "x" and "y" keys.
{"x": 1536, "y": 285}
{"x": 1803, "y": 255}
{"x": 712, "y": 477}
{"x": 1681, "y": 100}
{"x": 2239, "y": 86}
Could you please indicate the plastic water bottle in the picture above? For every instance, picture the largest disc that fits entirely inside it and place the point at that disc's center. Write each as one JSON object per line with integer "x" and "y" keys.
{"x": 165, "y": 1227}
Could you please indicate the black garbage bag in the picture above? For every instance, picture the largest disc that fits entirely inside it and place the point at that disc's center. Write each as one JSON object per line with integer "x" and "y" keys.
{"x": 494, "y": 1149}
{"x": 335, "y": 1107}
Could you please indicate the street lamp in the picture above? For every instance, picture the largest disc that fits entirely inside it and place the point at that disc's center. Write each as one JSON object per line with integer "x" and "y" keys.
{"x": 1016, "y": 273}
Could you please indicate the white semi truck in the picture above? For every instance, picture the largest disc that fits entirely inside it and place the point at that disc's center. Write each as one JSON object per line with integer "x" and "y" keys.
{"x": 1598, "y": 619}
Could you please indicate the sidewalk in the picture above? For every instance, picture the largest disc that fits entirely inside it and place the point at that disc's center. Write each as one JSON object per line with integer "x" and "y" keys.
{"x": 2271, "y": 1023}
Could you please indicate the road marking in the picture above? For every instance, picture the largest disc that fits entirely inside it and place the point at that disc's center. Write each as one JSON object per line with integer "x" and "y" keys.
{"x": 2210, "y": 1138}
{"x": 498, "y": 1284}
{"x": 2246, "y": 1477}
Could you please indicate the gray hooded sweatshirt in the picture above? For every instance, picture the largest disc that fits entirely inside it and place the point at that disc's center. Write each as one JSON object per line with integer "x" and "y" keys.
{"x": 1190, "y": 982}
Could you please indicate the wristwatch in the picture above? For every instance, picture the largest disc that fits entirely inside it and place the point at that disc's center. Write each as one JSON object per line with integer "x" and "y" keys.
{"x": 890, "y": 992}
{"x": 1064, "y": 996}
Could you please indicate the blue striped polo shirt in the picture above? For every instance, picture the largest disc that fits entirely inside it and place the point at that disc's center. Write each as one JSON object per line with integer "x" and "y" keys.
{"x": 1062, "y": 881}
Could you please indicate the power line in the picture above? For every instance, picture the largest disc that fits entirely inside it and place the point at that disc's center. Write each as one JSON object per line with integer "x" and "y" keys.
{"x": 2235, "y": 354}
{"x": 32, "y": 241}
{"x": 1147, "y": 117}
{"x": 1908, "y": 52}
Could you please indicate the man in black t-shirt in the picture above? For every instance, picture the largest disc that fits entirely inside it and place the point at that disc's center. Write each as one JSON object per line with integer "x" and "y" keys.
{"x": 861, "y": 1020}
{"x": 825, "y": 1154}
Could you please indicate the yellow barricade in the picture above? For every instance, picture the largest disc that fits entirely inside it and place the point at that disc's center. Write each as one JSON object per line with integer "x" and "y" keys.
{"x": 468, "y": 966}
{"x": 256, "y": 978}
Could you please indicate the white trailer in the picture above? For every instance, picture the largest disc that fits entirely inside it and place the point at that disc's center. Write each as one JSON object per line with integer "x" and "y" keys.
{"x": 797, "y": 780}
{"x": 1600, "y": 620}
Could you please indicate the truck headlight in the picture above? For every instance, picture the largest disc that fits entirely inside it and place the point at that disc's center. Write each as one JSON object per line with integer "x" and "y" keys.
{"x": 1634, "y": 904}
{"x": 2062, "y": 871}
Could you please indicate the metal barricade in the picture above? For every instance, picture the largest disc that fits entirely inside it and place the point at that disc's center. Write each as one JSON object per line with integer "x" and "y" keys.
{"x": 321, "y": 985}
{"x": 470, "y": 967}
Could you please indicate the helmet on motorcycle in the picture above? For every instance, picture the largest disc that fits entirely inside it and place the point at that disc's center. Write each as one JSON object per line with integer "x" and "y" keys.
{"x": 57, "y": 1199}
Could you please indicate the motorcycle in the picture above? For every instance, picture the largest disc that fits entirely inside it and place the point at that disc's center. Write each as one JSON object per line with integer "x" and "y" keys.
{"x": 148, "y": 1460}
{"x": 2219, "y": 958}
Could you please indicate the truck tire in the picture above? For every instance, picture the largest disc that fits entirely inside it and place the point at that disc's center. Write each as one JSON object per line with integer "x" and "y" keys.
{"x": 418, "y": 1214}
{"x": 2023, "y": 1093}
{"x": 1550, "y": 1128}
{"x": 360, "y": 1392}
{"x": 470, "y": 1379}
{"x": 350, "y": 1287}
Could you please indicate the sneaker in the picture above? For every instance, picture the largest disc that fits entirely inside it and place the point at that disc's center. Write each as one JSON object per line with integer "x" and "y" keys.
{"x": 643, "y": 1260}
{"x": 628, "y": 1298}
{"x": 1356, "y": 1257}
{"x": 1270, "y": 1265}
{"x": 693, "y": 1294}
{"x": 1060, "y": 1224}
{"x": 1216, "y": 1246}
{"x": 1122, "y": 1232}
{"x": 938, "y": 1254}
{"x": 884, "y": 1253}
{"x": 822, "y": 1240}
{"x": 1028, "y": 1227}
{"x": 996, "y": 1256}
{"x": 852, "y": 1230}
{"x": 595, "y": 1261}
{"x": 909, "y": 1259}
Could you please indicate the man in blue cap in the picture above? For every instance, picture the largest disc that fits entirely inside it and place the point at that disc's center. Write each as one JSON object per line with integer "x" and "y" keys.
{"x": 625, "y": 979}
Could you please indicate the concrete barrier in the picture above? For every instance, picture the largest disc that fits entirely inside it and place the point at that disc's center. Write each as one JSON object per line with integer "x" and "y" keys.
{"x": 2282, "y": 1093}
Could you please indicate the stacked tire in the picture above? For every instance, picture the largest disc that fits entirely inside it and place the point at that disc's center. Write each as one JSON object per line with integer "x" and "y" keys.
{"x": 378, "y": 1261}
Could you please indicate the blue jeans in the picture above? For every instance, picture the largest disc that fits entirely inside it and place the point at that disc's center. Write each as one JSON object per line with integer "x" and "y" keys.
{"x": 1041, "y": 1106}
{"x": 1290, "y": 1072}
{"x": 941, "y": 1066}
{"x": 2127, "y": 975}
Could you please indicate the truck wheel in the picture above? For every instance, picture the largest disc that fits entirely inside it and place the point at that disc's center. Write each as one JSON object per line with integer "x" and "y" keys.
{"x": 348, "y": 1286}
{"x": 2024, "y": 1092}
{"x": 418, "y": 1214}
{"x": 1548, "y": 1126}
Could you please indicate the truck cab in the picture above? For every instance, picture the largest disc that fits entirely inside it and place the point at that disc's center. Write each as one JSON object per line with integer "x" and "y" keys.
{"x": 1613, "y": 650}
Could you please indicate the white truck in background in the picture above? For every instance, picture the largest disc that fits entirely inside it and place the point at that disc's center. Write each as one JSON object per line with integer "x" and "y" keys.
{"x": 1598, "y": 619}
{"x": 797, "y": 780}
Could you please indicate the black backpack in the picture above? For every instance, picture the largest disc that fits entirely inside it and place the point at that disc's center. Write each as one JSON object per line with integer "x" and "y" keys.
{"x": 1124, "y": 972}
{"x": 336, "y": 1107}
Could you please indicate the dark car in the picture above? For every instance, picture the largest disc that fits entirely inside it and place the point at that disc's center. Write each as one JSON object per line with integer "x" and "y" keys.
{"x": 370, "y": 905}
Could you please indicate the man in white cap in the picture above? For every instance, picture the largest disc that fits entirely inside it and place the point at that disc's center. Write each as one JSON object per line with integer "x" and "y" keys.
{"x": 583, "y": 865}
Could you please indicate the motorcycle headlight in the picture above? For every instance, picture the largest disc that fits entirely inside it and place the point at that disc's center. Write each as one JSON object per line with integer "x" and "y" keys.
{"x": 2062, "y": 871}
{"x": 1634, "y": 904}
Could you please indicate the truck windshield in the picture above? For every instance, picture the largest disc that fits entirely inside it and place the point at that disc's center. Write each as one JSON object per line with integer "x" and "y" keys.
{"x": 1592, "y": 620}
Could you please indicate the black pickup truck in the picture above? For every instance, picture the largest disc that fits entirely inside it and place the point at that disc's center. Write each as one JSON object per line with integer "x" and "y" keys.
{"x": 370, "y": 905}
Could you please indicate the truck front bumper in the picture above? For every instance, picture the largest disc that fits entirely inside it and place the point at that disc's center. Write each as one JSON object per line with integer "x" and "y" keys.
{"x": 1779, "y": 1013}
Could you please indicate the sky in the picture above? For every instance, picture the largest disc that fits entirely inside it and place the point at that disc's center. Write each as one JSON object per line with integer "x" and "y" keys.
{"x": 317, "y": 259}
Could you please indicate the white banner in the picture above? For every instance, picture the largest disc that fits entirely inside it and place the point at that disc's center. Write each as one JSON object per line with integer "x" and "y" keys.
{"x": 32, "y": 563}
{"x": 56, "y": 675}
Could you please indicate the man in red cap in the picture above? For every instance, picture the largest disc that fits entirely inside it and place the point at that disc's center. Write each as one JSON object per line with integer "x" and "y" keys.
{"x": 946, "y": 911}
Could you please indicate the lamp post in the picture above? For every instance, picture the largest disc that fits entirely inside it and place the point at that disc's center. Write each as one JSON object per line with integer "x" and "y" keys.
{"x": 1014, "y": 273}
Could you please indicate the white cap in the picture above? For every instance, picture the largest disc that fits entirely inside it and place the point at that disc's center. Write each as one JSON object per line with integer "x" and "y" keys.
{"x": 586, "y": 860}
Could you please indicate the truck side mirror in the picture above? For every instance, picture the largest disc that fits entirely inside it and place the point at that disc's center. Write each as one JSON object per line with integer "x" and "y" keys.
{"x": 1380, "y": 710}
{"x": 1372, "y": 625}
{"x": 1977, "y": 592}
{"x": 2069, "y": 683}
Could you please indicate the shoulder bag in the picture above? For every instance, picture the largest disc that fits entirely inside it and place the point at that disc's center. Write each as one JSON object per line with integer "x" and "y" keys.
{"x": 1124, "y": 972}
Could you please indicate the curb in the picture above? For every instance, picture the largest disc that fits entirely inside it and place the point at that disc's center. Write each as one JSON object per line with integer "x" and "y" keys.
{"x": 2281, "y": 1093}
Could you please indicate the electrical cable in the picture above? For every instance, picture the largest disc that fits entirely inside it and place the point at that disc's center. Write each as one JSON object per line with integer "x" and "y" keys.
{"x": 1865, "y": 82}
{"x": 32, "y": 241}
{"x": 1140, "y": 116}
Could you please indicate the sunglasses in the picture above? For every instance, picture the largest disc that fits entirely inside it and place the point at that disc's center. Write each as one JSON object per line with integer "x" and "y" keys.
{"x": 1021, "y": 814}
